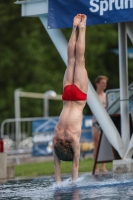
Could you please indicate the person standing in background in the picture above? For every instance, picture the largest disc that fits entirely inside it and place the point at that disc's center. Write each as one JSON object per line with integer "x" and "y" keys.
{"x": 101, "y": 84}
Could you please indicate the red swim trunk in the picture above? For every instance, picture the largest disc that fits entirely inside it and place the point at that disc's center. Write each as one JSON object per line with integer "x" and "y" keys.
{"x": 73, "y": 93}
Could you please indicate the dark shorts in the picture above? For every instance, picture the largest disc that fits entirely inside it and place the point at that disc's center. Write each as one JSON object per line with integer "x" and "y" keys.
{"x": 96, "y": 124}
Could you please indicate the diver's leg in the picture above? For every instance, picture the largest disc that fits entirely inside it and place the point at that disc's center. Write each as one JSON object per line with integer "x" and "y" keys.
{"x": 57, "y": 168}
{"x": 95, "y": 136}
{"x": 80, "y": 73}
{"x": 69, "y": 73}
{"x": 103, "y": 165}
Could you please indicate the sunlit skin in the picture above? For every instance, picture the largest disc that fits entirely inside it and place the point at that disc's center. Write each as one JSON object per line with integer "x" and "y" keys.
{"x": 100, "y": 88}
{"x": 70, "y": 120}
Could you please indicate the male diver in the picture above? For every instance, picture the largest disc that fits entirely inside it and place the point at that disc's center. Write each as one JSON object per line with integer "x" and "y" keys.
{"x": 66, "y": 140}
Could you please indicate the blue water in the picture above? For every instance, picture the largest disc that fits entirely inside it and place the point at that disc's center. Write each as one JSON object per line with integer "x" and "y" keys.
{"x": 107, "y": 187}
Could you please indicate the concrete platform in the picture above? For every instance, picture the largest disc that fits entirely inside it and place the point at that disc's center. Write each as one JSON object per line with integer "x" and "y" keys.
{"x": 3, "y": 165}
{"x": 123, "y": 166}
{"x": 6, "y": 171}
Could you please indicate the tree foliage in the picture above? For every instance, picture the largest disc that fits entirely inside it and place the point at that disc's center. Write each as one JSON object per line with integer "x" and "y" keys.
{"x": 29, "y": 60}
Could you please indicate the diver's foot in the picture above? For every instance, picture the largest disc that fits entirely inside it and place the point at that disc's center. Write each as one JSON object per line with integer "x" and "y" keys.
{"x": 77, "y": 20}
{"x": 104, "y": 170}
{"x": 96, "y": 170}
{"x": 82, "y": 24}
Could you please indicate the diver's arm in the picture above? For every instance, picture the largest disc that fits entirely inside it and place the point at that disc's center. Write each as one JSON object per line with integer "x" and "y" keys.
{"x": 75, "y": 164}
{"x": 57, "y": 168}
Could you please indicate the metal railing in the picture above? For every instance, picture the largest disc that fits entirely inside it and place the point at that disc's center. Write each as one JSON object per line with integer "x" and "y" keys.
{"x": 18, "y": 141}
{"x": 115, "y": 106}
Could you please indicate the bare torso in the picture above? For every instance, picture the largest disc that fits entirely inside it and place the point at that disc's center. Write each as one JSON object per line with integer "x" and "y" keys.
{"x": 102, "y": 98}
{"x": 70, "y": 121}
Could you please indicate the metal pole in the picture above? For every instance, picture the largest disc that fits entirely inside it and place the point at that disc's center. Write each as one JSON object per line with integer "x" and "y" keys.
{"x": 49, "y": 93}
{"x": 17, "y": 103}
{"x": 129, "y": 30}
{"x": 17, "y": 116}
{"x": 46, "y": 106}
{"x": 123, "y": 77}
{"x": 57, "y": 37}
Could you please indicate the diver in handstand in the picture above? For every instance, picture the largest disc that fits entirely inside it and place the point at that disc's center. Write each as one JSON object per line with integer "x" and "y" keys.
{"x": 66, "y": 140}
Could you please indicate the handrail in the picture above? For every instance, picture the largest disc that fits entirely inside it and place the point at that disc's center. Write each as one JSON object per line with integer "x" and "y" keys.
{"x": 28, "y": 1}
{"x": 118, "y": 99}
{"x": 21, "y": 120}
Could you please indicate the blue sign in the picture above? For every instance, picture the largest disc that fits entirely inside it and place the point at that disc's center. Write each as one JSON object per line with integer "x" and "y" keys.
{"x": 43, "y": 132}
{"x": 61, "y": 12}
{"x": 86, "y": 135}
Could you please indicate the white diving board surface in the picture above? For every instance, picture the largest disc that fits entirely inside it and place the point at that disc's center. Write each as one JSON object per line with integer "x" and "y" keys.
{"x": 33, "y": 8}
